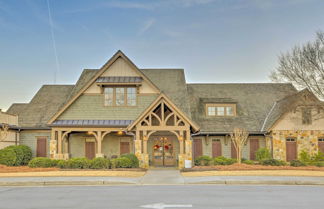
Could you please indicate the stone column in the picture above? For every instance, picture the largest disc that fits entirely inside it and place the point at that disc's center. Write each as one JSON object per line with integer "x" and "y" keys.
{"x": 53, "y": 144}
{"x": 99, "y": 144}
{"x": 59, "y": 154}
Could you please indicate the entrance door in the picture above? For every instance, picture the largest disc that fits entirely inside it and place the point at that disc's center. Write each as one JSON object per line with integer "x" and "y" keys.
{"x": 321, "y": 145}
{"x": 291, "y": 149}
{"x": 163, "y": 152}
{"x": 41, "y": 147}
{"x": 90, "y": 150}
{"x": 124, "y": 148}
{"x": 254, "y": 146}
{"x": 217, "y": 148}
{"x": 197, "y": 148}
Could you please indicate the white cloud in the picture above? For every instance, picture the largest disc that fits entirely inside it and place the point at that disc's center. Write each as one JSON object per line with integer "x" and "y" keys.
{"x": 148, "y": 24}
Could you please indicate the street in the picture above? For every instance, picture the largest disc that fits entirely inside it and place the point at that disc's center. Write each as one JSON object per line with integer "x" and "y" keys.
{"x": 187, "y": 196}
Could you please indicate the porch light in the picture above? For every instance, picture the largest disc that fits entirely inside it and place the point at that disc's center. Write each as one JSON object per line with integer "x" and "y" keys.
{"x": 88, "y": 133}
{"x": 120, "y": 133}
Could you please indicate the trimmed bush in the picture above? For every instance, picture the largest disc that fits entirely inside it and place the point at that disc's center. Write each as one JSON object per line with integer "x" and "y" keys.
{"x": 40, "y": 162}
{"x": 80, "y": 163}
{"x": 297, "y": 163}
{"x": 273, "y": 162}
{"x": 99, "y": 163}
{"x": 133, "y": 158}
{"x": 248, "y": 162}
{"x": 8, "y": 157}
{"x": 262, "y": 154}
{"x": 19, "y": 154}
{"x": 223, "y": 161}
{"x": 319, "y": 164}
{"x": 62, "y": 164}
{"x": 121, "y": 162}
{"x": 28, "y": 155}
{"x": 203, "y": 160}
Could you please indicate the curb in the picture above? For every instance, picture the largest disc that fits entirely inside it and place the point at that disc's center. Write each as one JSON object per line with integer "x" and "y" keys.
{"x": 64, "y": 183}
{"x": 269, "y": 182}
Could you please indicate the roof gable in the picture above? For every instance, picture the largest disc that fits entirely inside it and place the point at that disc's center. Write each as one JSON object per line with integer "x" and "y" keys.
{"x": 118, "y": 59}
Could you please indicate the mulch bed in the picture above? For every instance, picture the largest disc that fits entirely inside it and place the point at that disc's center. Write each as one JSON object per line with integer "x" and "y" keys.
{"x": 245, "y": 167}
{"x": 15, "y": 169}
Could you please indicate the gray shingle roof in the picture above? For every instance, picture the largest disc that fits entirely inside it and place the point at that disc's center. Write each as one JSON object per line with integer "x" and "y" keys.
{"x": 254, "y": 102}
{"x": 92, "y": 123}
{"x": 44, "y": 105}
{"x": 119, "y": 79}
{"x": 17, "y": 108}
{"x": 172, "y": 82}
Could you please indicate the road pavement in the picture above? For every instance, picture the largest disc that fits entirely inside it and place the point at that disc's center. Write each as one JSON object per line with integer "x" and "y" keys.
{"x": 185, "y": 196}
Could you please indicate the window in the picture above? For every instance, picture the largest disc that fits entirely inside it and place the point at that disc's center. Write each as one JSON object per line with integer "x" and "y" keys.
{"x": 229, "y": 111}
{"x": 212, "y": 111}
{"x": 306, "y": 116}
{"x": 290, "y": 139}
{"x": 220, "y": 109}
{"x": 321, "y": 139}
{"x": 109, "y": 96}
{"x": 131, "y": 96}
{"x": 120, "y": 96}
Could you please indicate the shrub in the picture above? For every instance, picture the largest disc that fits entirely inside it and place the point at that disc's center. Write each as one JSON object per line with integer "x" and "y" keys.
{"x": 203, "y": 160}
{"x": 297, "y": 163}
{"x": 262, "y": 154}
{"x": 62, "y": 164}
{"x": 273, "y": 162}
{"x": 121, "y": 162}
{"x": 99, "y": 163}
{"x": 133, "y": 158}
{"x": 305, "y": 157}
{"x": 40, "y": 162}
{"x": 27, "y": 154}
{"x": 248, "y": 162}
{"x": 319, "y": 164}
{"x": 8, "y": 157}
{"x": 81, "y": 163}
{"x": 223, "y": 161}
{"x": 19, "y": 154}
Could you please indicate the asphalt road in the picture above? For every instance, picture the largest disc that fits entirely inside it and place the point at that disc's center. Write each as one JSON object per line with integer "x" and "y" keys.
{"x": 132, "y": 197}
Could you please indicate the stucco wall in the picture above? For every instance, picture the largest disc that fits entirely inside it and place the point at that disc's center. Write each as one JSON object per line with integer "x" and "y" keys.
{"x": 88, "y": 107}
{"x": 293, "y": 121}
{"x": 29, "y": 138}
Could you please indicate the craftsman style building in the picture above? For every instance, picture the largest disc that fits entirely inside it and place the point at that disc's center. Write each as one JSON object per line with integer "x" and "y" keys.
{"x": 165, "y": 121}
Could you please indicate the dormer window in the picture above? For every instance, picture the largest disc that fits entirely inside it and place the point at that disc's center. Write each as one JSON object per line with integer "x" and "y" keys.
{"x": 306, "y": 116}
{"x": 220, "y": 110}
{"x": 120, "y": 96}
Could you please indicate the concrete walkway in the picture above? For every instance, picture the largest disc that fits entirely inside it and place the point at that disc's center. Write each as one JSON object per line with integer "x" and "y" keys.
{"x": 162, "y": 177}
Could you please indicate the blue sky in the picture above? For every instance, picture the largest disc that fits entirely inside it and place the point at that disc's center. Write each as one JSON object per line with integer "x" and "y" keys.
{"x": 213, "y": 40}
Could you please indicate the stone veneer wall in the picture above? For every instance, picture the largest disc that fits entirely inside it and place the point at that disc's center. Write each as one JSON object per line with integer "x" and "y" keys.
{"x": 306, "y": 140}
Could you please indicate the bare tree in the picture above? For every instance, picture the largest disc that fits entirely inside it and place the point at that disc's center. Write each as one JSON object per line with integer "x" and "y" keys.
{"x": 4, "y": 131}
{"x": 239, "y": 137}
{"x": 303, "y": 66}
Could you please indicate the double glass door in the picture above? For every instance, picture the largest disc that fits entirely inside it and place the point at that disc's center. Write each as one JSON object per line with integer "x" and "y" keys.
{"x": 163, "y": 152}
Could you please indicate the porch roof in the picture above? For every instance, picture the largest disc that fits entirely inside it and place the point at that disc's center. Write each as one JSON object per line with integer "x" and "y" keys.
{"x": 101, "y": 123}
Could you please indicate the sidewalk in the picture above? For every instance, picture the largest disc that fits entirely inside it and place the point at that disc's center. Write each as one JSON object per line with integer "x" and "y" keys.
{"x": 161, "y": 177}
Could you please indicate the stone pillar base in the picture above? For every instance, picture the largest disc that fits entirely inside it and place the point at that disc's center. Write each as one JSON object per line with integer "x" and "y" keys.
{"x": 100, "y": 155}
{"x": 181, "y": 160}
{"x": 59, "y": 156}
{"x": 66, "y": 156}
{"x": 143, "y": 160}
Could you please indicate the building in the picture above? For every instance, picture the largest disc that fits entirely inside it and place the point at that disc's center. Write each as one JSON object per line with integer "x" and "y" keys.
{"x": 155, "y": 114}
{"x": 8, "y": 129}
